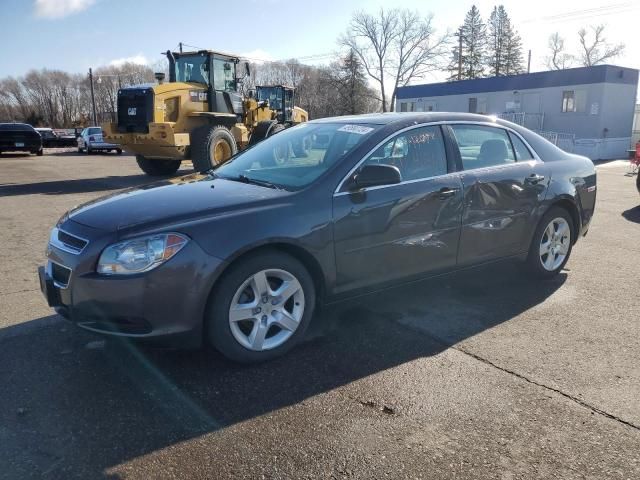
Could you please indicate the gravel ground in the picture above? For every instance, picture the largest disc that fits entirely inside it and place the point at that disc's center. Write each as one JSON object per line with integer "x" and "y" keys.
{"x": 480, "y": 375}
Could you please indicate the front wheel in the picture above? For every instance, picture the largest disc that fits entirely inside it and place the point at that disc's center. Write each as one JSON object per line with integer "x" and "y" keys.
{"x": 157, "y": 168}
{"x": 261, "y": 308}
{"x": 551, "y": 245}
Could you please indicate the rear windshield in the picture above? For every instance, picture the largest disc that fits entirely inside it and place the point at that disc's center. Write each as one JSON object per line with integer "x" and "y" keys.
{"x": 15, "y": 127}
{"x": 95, "y": 131}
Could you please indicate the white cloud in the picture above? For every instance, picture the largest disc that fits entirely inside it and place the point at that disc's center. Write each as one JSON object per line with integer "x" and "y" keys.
{"x": 258, "y": 55}
{"x": 60, "y": 8}
{"x": 137, "y": 59}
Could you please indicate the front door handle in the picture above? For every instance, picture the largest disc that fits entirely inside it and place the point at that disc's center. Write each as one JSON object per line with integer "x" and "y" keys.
{"x": 534, "y": 179}
{"x": 446, "y": 192}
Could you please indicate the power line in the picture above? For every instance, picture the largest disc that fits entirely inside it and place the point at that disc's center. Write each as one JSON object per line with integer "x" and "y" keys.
{"x": 585, "y": 13}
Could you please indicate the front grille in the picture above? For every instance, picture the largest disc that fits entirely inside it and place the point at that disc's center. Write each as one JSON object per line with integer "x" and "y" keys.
{"x": 135, "y": 110}
{"x": 71, "y": 242}
{"x": 68, "y": 242}
{"x": 60, "y": 274}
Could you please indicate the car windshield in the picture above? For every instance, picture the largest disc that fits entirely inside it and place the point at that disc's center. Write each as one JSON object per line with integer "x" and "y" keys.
{"x": 95, "y": 131}
{"x": 297, "y": 156}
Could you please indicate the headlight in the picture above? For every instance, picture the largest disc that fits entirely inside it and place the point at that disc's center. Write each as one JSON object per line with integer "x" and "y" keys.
{"x": 140, "y": 254}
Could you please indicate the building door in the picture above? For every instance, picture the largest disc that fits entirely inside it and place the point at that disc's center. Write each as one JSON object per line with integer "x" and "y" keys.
{"x": 532, "y": 109}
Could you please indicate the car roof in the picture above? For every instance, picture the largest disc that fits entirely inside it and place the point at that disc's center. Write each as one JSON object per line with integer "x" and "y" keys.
{"x": 407, "y": 117}
{"x": 15, "y": 126}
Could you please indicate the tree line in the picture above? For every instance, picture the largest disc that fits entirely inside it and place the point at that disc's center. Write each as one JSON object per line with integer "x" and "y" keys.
{"x": 381, "y": 52}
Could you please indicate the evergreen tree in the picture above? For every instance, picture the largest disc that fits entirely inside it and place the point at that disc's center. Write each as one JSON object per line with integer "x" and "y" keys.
{"x": 474, "y": 46}
{"x": 505, "y": 45}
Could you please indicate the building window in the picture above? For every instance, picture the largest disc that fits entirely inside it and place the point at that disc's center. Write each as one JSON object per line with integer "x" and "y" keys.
{"x": 407, "y": 107}
{"x": 473, "y": 105}
{"x": 568, "y": 101}
{"x": 574, "y": 101}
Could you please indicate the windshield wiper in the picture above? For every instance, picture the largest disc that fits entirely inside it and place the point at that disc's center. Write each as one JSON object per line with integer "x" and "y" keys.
{"x": 263, "y": 183}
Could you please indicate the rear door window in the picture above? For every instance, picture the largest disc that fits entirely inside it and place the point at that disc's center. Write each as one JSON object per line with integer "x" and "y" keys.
{"x": 482, "y": 146}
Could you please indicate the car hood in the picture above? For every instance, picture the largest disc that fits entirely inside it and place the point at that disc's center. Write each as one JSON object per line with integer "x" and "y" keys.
{"x": 171, "y": 201}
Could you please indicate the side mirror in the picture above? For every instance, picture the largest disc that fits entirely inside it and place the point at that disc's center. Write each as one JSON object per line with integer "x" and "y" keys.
{"x": 374, "y": 175}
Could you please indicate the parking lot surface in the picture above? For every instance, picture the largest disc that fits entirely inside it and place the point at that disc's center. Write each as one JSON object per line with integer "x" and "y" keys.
{"x": 484, "y": 374}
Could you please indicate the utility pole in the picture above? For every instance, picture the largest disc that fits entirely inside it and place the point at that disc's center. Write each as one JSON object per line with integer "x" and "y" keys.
{"x": 180, "y": 45}
{"x": 460, "y": 54}
{"x": 93, "y": 98}
{"x": 529, "y": 62}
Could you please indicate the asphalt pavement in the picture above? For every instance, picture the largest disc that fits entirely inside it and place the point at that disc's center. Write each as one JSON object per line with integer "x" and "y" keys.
{"x": 485, "y": 374}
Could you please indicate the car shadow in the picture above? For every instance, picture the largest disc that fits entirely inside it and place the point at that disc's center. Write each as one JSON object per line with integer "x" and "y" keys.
{"x": 633, "y": 214}
{"x": 80, "y": 185}
{"x": 75, "y": 404}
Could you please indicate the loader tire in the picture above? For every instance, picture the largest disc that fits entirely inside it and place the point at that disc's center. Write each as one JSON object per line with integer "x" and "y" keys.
{"x": 157, "y": 168}
{"x": 211, "y": 146}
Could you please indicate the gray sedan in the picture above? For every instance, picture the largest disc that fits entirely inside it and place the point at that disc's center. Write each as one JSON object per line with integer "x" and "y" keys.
{"x": 240, "y": 256}
{"x": 90, "y": 140}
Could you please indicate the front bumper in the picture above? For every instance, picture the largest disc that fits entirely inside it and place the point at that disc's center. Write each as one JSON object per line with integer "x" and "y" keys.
{"x": 167, "y": 303}
{"x": 162, "y": 142}
{"x": 102, "y": 146}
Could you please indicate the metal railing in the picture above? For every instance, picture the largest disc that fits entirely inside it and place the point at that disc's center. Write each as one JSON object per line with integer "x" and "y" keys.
{"x": 532, "y": 121}
{"x": 565, "y": 141}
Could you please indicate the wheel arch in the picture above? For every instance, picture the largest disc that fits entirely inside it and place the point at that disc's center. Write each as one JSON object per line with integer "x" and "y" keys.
{"x": 296, "y": 251}
{"x": 570, "y": 206}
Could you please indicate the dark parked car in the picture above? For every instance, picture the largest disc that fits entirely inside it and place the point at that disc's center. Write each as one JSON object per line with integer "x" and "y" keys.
{"x": 19, "y": 137}
{"x": 241, "y": 255}
{"x": 52, "y": 139}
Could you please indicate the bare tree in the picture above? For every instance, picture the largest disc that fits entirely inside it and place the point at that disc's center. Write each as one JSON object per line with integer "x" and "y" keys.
{"x": 395, "y": 47}
{"x": 558, "y": 59}
{"x": 597, "y": 50}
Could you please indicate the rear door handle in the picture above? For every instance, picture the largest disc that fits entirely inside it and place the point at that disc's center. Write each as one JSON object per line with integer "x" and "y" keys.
{"x": 446, "y": 192}
{"x": 534, "y": 179}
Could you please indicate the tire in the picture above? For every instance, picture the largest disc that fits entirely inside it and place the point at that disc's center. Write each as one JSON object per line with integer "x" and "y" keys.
{"x": 638, "y": 181}
{"x": 88, "y": 149}
{"x": 262, "y": 131}
{"x": 211, "y": 146}
{"x": 40, "y": 152}
{"x": 540, "y": 265}
{"x": 233, "y": 339}
{"x": 119, "y": 151}
{"x": 80, "y": 150}
{"x": 157, "y": 168}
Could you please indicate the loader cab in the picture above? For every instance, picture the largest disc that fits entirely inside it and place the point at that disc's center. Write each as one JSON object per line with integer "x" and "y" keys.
{"x": 280, "y": 98}
{"x": 216, "y": 73}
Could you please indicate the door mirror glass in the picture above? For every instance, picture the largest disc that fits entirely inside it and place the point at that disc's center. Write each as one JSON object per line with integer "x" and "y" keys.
{"x": 374, "y": 175}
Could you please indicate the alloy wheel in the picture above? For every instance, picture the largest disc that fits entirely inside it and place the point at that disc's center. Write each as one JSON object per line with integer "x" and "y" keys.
{"x": 554, "y": 244}
{"x": 266, "y": 309}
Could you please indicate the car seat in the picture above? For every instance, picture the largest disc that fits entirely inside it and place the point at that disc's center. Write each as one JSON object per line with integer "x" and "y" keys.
{"x": 492, "y": 152}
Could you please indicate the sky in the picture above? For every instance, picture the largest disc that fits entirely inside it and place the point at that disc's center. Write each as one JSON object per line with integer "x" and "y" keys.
{"x": 73, "y": 35}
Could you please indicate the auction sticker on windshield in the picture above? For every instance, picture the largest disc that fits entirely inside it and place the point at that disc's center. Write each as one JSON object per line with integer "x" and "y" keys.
{"x": 359, "y": 129}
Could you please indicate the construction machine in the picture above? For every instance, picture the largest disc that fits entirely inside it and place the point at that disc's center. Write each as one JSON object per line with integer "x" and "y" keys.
{"x": 198, "y": 114}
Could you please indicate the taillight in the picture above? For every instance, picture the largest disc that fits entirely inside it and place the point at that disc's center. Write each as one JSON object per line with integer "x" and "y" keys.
{"x": 92, "y": 138}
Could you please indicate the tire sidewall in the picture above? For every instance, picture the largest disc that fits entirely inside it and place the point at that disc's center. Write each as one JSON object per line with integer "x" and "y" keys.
{"x": 217, "y": 328}
{"x": 533, "y": 260}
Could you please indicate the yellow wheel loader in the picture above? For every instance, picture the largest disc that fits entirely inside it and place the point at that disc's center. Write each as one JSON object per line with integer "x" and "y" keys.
{"x": 198, "y": 114}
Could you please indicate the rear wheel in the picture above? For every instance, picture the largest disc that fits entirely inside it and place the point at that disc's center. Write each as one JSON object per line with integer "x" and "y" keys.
{"x": 552, "y": 243}
{"x": 119, "y": 151}
{"x": 638, "y": 181}
{"x": 261, "y": 307}
{"x": 211, "y": 146}
{"x": 40, "y": 152}
{"x": 157, "y": 168}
